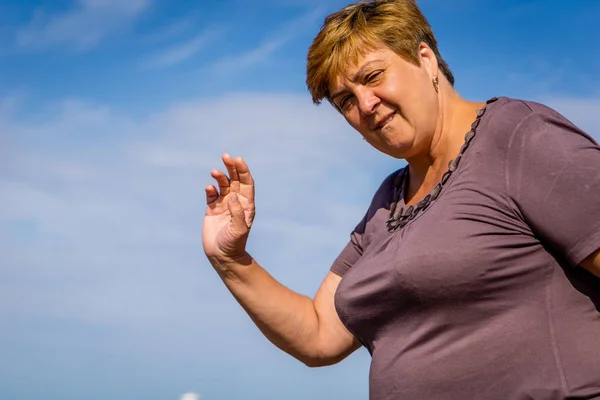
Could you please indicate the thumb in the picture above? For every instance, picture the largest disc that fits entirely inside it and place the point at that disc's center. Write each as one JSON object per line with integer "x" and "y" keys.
{"x": 238, "y": 218}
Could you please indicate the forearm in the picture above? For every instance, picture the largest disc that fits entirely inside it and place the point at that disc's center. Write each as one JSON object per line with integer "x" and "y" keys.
{"x": 288, "y": 319}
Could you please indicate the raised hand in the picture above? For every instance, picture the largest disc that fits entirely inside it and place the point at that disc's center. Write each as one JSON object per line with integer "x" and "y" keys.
{"x": 229, "y": 213}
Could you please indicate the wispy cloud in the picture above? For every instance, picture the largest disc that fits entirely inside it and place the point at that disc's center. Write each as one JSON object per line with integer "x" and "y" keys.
{"x": 143, "y": 189}
{"x": 175, "y": 29}
{"x": 251, "y": 57}
{"x": 269, "y": 45}
{"x": 182, "y": 51}
{"x": 83, "y": 27}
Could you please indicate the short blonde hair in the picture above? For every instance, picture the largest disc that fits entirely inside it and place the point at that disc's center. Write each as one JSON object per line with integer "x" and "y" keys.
{"x": 360, "y": 27}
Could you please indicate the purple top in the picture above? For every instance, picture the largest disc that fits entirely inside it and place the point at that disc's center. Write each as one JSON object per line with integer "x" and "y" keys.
{"x": 480, "y": 296}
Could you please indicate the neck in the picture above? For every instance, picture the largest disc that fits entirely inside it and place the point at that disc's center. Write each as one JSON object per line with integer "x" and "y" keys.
{"x": 455, "y": 117}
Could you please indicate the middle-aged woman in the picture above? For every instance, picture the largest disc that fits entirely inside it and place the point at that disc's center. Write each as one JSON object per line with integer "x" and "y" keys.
{"x": 474, "y": 272}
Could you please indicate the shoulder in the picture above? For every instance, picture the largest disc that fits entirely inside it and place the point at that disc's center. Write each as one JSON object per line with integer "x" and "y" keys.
{"x": 544, "y": 127}
{"x": 506, "y": 114}
{"x": 510, "y": 119}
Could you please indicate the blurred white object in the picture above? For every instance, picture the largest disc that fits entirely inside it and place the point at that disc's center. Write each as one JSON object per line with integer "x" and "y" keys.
{"x": 190, "y": 396}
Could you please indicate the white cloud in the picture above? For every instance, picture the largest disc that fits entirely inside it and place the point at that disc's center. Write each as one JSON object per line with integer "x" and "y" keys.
{"x": 99, "y": 235}
{"x": 190, "y": 396}
{"x": 182, "y": 51}
{"x": 91, "y": 194}
{"x": 250, "y": 57}
{"x": 269, "y": 45}
{"x": 83, "y": 27}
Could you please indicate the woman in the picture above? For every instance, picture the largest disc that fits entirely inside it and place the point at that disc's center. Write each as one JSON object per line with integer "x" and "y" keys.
{"x": 474, "y": 272}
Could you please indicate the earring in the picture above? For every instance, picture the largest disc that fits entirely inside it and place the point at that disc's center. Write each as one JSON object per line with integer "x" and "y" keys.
{"x": 436, "y": 84}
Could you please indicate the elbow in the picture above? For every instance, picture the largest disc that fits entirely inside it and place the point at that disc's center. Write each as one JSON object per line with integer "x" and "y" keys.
{"x": 325, "y": 357}
{"x": 318, "y": 362}
{"x": 315, "y": 363}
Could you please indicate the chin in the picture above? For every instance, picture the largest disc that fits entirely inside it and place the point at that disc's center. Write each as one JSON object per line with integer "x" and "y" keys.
{"x": 395, "y": 151}
{"x": 398, "y": 146}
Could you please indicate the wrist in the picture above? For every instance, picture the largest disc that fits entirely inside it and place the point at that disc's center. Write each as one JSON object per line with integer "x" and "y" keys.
{"x": 231, "y": 268}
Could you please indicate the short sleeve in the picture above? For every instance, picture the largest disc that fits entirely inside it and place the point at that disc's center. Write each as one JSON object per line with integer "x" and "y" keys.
{"x": 367, "y": 227}
{"x": 352, "y": 252}
{"x": 553, "y": 178}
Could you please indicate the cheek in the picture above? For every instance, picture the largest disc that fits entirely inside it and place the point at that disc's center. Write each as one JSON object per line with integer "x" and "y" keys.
{"x": 428, "y": 117}
{"x": 421, "y": 113}
{"x": 355, "y": 120}
{"x": 404, "y": 124}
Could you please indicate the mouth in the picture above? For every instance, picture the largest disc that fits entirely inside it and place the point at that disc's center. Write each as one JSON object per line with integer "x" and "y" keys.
{"x": 385, "y": 120}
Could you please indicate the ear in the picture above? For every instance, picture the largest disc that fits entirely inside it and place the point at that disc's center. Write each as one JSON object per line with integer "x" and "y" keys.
{"x": 428, "y": 60}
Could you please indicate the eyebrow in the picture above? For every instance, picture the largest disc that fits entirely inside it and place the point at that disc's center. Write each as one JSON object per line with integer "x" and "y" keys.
{"x": 356, "y": 76}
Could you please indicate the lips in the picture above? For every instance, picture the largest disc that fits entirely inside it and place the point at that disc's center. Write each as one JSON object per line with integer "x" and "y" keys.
{"x": 387, "y": 118}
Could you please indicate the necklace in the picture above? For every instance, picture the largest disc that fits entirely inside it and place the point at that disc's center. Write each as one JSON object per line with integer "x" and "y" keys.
{"x": 400, "y": 216}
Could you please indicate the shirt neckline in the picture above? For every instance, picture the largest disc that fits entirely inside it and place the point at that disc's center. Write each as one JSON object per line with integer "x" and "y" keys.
{"x": 401, "y": 214}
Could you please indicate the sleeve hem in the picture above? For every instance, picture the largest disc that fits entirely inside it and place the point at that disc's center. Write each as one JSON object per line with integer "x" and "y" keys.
{"x": 339, "y": 269}
{"x": 585, "y": 248}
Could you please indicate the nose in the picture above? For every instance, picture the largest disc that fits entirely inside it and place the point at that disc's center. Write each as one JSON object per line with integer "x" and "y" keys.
{"x": 367, "y": 102}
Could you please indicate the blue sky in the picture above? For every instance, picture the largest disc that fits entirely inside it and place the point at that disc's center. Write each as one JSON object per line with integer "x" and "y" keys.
{"x": 112, "y": 113}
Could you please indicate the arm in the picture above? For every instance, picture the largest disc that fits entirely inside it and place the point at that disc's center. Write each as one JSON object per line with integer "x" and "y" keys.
{"x": 309, "y": 330}
{"x": 592, "y": 263}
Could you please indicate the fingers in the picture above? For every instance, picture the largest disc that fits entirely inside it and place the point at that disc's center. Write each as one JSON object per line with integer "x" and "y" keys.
{"x": 238, "y": 170}
{"x": 222, "y": 181}
{"x": 243, "y": 172}
{"x": 246, "y": 180}
{"x": 211, "y": 194}
{"x": 234, "y": 179}
{"x": 240, "y": 179}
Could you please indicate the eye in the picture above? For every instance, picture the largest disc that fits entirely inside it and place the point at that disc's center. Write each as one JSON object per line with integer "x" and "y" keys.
{"x": 345, "y": 102}
{"x": 374, "y": 76}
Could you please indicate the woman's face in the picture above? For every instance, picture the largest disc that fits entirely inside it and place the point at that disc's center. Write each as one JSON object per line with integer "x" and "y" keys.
{"x": 390, "y": 101}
